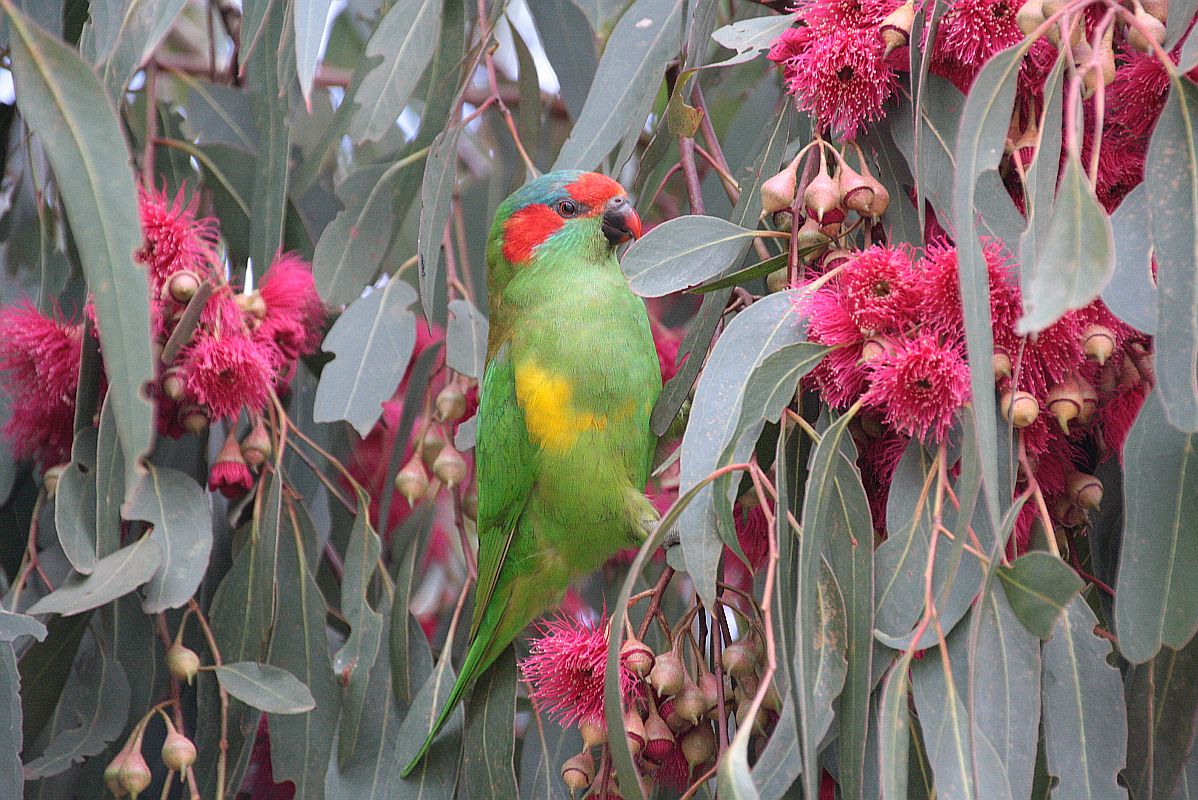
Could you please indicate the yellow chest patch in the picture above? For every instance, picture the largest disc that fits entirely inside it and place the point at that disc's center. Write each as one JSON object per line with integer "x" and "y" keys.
{"x": 549, "y": 415}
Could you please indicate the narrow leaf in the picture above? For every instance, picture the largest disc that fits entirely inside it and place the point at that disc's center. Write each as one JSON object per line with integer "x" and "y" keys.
{"x": 748, "y": 37}
{"x": 11, "y": 779}
{"x": 1131, "y": 295}
{"x": 466, "y": 339}
{"x": 404, "y": 41}
{"x": 1162, "y": 706}
{"x": 311, "y": 17}
{"x": 893, "y": 730}
{"x": 75, "y": 503}
{"x": 490, "y": 742}
{"x": 353, "y": 245}
{"x": 1039, "y": 587}
{"x": 684, "y": 252}
{"x": 265, "y": 687}
{"x": 114, "y": 576}
{"x": 436, "y": 195}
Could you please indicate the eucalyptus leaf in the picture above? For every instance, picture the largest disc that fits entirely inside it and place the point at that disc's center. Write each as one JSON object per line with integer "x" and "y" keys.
{"x": 466, "y": 339}
{"x": 1039, "y": 587}
{"x": 113, "y": 576}
{"x": 265, "y": 687}
{"x": 1162, "y": 709}
{"x": 1131, "y": 294}
{"x": 11, "y": 779}
{"x": 75, "y": 503}
{"x": 748, "y": 37}
{"x": 311, "y": 18}
{"x": 373, "y": 341}
{"x": 177, "y": 508}
{"x": 436, "y": 196}
{"x": 489, "y": 745}
{"x": 568, "y": 39}
{"x": 684, "y": 252}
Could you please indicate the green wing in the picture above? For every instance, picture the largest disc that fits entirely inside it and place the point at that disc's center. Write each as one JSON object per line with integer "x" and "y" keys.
{"x": 507, "y": 464}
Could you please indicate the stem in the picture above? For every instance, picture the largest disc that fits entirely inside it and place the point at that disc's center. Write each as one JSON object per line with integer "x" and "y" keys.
{"x": 658, "y": 591}
{"x": 223, "y": 757}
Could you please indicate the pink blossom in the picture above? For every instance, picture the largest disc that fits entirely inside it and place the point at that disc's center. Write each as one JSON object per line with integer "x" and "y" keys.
{"x": 877, "y": 289}
{"x": 824, "y": 17}
{"x": 40, "y": 356}
{"x": 919, "y": 386}
{"x": 294, "y": 312}
{"x": 565, "y": 670}
{"x": 226, "y": 372}
{"x": 173, "y": 239}
{"x": 230, "y": 478}
{"x": 842, "y": 78}
{"x": 840, "y": 375}
{"x": 974, "y": 30}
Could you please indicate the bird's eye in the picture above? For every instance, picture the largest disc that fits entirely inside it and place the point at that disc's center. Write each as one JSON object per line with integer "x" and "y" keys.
{"x": 567, "y": 208}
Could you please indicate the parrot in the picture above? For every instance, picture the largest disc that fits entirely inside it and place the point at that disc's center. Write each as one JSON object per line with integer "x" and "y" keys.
{"x": 564, "y": 448}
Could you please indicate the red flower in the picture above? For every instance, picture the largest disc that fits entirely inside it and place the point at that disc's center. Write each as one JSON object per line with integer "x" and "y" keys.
{"x": 565, "y": 670}
{"x": 878, "y": 291}
{"x": 294, "y": 312}
{"x": 842, "y": 78}
{"x": 40, "y": 356}
{"x": 919, "y": 386}
{"x": 974, "y": 30}
{"x": 840, "y": 376}
{"x": 226, "y": 372}
{"x": 173, "y": 239}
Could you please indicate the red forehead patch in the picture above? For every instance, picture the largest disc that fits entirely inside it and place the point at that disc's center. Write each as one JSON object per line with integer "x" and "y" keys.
{"x": 526, "y": 229}
{"x": 593, "y": 189}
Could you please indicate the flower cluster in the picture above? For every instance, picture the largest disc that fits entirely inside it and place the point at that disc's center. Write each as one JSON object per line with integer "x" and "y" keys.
{"x": 222, "y": 351}
{"x": 895, "y": 325}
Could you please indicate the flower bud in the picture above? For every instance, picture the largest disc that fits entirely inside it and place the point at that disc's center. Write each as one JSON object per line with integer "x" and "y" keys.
{"x": 134, "y": 775}
{"x": 821, "y": 198}
{"x": 252, "y": 304}
{"x": 51, "y": 477}
{"x": 1019, "y": 408}
{"x": 594, "y": 733}
{"x": 1099, "y": 343}
{"x": 470, "y": 505}
{"x": 873, "y": 348}
{"x": 709, "y": 685}
{"x": 430, "y": 446}
{"x": 1065, "y": 402}
{"x": 772, "y": 701}
{"x": 667, "y": 675}
{"x": 634, "y": 729}
{"x": 1148, "y": 30}
{"x": 578, "y": 771}
{"x": 112, "y": 774}
{"x": 193, "y": 418}
{"x": 698, "y": 746}
{"x": 450, "y": 404}
{"x": 1158, "y": 9}
{"x": 881, "y": 197}
{"x": 1085, "y": 491}
{"x": 449, "y": 466}
{"x": 738, "y": 660}
{"x": 1030, "y": 16}
{"x": 256, "y": 446}
{"x": 178, "y": 752}
{"x": 637, "y": 656}
{"x": 777, "y": 281}
{"x": 1089, "y": 400}
{"x": 784, "y": 220}
{"x": 689, "y": 703}
{"x": 896, "y": 28}
{"x": 182, "y": 662}
{"x": 659, "y": 740}
{"x": 1001, "y": 364}
{"x": 856, "y": 193}
{"x": 181, "y": 286}
{"x": 172, "y": 383}
{"x": 811, "y": 241}
{"x": 411, "y": 481}
{"x": 778, "y": 192}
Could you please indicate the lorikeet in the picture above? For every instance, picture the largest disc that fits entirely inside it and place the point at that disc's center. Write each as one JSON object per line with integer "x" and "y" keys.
{"x": 564, "y": 447}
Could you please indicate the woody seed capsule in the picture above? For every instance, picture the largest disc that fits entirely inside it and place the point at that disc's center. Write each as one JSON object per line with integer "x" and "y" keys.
{"x": 1085, "y": 491}
{"x": 578, "y": 771}
{"x": 1098, "y": 341}
{"x": 1019, "y": 408}
{"x": 637, "y": 656}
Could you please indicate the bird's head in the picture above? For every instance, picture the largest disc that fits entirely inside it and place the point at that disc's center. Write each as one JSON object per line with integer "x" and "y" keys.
{"x": 568, "y": 212}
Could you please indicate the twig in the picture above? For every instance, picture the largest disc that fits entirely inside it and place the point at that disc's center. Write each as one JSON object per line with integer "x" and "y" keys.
{"x": 223, "y": 757}
{"x": 658, "y": 590}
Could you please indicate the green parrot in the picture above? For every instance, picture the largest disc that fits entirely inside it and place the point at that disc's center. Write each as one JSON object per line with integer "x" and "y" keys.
{"x": 564, "y": 447}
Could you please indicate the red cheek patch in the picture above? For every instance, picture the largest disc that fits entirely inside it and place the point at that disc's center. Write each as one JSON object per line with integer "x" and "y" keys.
{"x": 526, "y": 229}
{"x": 593, "y": 190}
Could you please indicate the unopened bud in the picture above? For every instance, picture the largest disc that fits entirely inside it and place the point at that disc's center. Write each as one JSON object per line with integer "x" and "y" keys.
{"x": 449, "y": 466}
{"x": 811, "y": 241}
{"x": 873, "y": 348}
{"x": 112, "y": 774}
{"x": 777, "y": 281}
{"x": 856, "y": 193}
{"x": 1085, "y": 491}
{"x": 430, "y": 447}
{"x": 578, "y": 771}
{"x": 1147, "y": 31}
{"x": 51, "y": 477}
{"x": 634, "y": 729}
{"x": 667, "y": 675}
{"x": 1030, "y": 16}
{"x": 412, "y": 481}
{"x": 470, "y": 505}
{"x": 1158, "y": 9}
{"x": 182, "y": 662}
{"x": 1019, "y": 408}
{"x": 1001, "y": 364}
{"x": 771, "y": 701}
{"x": 689, "y": 703}
{"x": 698, "y": 746}
{"x": 896, "y": 28}
{"x": 173, "y": 385}
{"x": 194, "y": 419}
{"x": 182, "y": 286}
{"x": 738, "y": 660}
{"x": 134, "y": 775}
{"x": 659, "y": 740}
{"x": 637, "y": 656}
{"x": 252, "y": 304}
{"x": 594, "y": 733}
{"x": 821, "y": 198}
{"x": 709, "y": 685}
{"x": 178, "y": 752}
{"x": 1064, "y": 402}
{"x": 778, "y": 192}
{"x": 256, "y": 446}
{"x": 450, "y": 404}
{"x": 1098, "y": 341}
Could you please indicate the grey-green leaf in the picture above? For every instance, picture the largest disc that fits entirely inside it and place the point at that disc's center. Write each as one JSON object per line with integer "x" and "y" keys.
{"x": 466, "y": 339}
{"x": 405, "y": 41}
{"x": 11, "y": 779}
{"x": 647, "y": 36}
{"x": 569, "y": 43}
{"x": 684, "y": 252}
{"x": 1039, "y": 587}
{"x": 75, "y": 503}
{"x": 311, "y": 16}
{"x": 373, "y": 341}
{"x": 1078, "y": 258}
{"x": 13, "y": 626}
{"x": 748, "y": 37}
{"x": 114, "y": 576}
{"x": 436, "y": 195}
{"x": 353, "y": 245}
{"x": 1171, "y": 169}
{"x": 489, "y": 746}
{"x": 1162, "y": 700}
{"x": 1085, "y": 722}
{"x": 177, "y": 508}
{"x": 1156, "y": 600}
{"x": 894, "y": 731}
{"x": 265, "y": 687}
{"x": 62, "y": 101}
